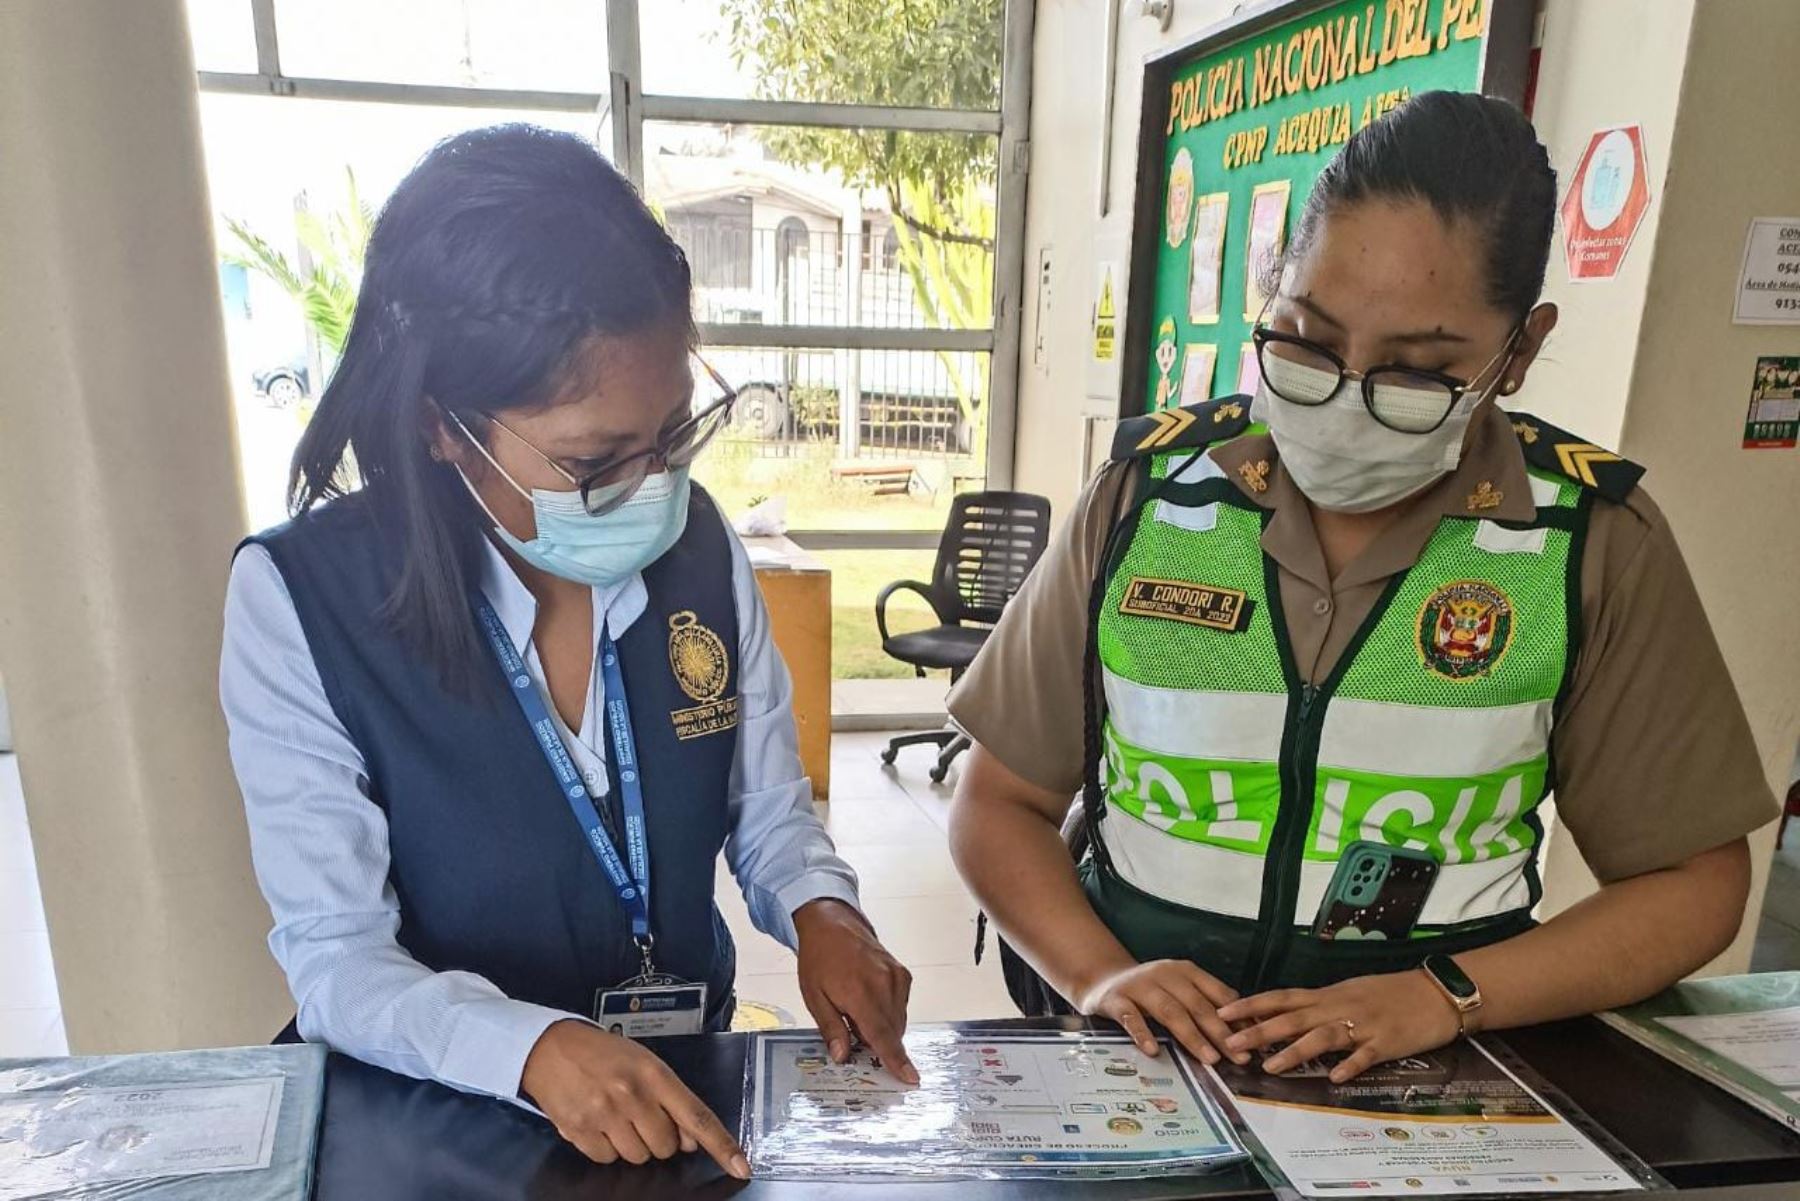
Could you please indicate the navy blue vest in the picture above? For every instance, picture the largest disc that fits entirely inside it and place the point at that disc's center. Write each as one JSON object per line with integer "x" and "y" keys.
{"x": 489, "y": 864}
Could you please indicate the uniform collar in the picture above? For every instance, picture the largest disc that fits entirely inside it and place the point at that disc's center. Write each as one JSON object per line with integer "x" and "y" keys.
{"x": 1490, "y": 482}
{"x": 621, "y": 604}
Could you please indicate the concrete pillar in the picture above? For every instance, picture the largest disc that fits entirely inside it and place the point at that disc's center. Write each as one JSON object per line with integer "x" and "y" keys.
{"x": 119, "y": 506}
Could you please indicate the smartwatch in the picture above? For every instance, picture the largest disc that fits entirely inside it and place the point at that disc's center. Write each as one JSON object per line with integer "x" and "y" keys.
{"x": 1456, "y": 986}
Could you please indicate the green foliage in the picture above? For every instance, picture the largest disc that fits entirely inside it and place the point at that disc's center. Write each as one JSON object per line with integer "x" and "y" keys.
{"x": 326, "y": 290}
{"x": 914, "y": 53}
{"x": 953, "y": 279}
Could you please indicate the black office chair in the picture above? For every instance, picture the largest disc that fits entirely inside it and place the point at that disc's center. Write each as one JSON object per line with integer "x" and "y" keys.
{"x": 990, "y": 544}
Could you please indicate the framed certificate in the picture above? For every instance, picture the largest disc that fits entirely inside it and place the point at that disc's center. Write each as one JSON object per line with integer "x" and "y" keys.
{"x": 1197, "y": 372}
{"x": 1268, "y": 234}
{"x": 1206, "y": 260}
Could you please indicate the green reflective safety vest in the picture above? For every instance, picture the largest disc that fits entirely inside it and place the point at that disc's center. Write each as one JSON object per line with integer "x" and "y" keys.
{"x": 1223, "y": 788}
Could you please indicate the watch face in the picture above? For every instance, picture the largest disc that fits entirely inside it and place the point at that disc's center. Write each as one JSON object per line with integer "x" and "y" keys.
{"x": 1454, "y": 980}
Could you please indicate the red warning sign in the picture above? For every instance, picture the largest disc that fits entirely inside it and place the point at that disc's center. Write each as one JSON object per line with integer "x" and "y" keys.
{"x": 1606, "y": 203}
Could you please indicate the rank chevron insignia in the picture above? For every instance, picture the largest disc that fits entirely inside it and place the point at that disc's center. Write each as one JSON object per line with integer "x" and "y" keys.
{"x": 1578, "y": 458}
{"x": 1169, "y": 425}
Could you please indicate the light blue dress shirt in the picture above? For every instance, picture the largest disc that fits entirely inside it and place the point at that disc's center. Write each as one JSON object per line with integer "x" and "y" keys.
{"x": 320, "y": 844}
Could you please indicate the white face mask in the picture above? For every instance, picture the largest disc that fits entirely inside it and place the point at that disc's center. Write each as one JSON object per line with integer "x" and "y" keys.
{"x": 1343, "y": 459}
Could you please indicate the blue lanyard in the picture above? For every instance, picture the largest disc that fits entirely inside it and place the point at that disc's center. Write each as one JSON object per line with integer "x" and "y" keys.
{"x": 633, "y": 883}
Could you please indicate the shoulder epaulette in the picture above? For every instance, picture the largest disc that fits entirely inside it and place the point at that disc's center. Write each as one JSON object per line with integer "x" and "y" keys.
{"x": 1559, "y": 452}
{"x": 1182, "y": 429}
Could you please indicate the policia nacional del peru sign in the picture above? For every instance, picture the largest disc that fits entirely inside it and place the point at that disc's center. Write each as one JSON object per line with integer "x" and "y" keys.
{"x": 1235, "y": 128}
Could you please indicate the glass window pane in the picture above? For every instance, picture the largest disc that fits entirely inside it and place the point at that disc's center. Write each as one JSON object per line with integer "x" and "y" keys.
{"x": 547, "y": 45}
{"x": 829, "y": 227}
{"x": 266, "y": 159}
{"x": 224, "y": 35}
{"x": 929, "y": 55}
{"x": 920, "y": 435}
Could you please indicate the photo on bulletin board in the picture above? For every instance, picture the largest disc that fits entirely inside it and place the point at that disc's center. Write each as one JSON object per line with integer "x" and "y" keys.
{"x": 1268, "y": 229}
{"x": 1207, "y": 258}
{"x": 1181, "y": 197}
{"x": 1249, "y": 375}
{"x": 1197, "y": 372}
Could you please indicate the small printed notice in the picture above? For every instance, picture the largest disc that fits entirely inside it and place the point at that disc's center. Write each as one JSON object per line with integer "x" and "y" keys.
{"x": 1766, "y": 1043}
{"x": 1773, "y": 422}
{"x": 55, "y": 1140}
{"x": 1454, "y": 1122}
{"x": 1769, "y": 284}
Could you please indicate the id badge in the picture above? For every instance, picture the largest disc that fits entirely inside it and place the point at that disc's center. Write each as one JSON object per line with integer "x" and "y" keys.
{"x": 652, "y": 1010}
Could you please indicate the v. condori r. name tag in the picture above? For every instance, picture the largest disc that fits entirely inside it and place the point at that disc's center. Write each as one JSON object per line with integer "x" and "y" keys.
{"x": 652, "y": 1011}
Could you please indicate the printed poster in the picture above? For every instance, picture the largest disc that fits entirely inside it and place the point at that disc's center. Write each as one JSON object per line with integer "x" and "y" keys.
{"x": 1773, "y": 422}
{"x": 1769, "y": 281}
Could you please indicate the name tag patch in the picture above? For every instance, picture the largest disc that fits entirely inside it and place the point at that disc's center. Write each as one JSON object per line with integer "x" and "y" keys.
{"x": 712, "y": 718}
{"x": 1208, "y": 605}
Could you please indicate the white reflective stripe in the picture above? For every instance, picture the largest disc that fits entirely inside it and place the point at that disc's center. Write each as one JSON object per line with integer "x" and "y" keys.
{"x": 1216, "y": 880}
{"x": 1501, "y": 541}
{"x": 1420, "y": 740}
{"x": 1195, "y": 874}
{"x": 1544, "y": 493}
{"x": 1197, "y": 725}
{"x": 1199, "y": 519}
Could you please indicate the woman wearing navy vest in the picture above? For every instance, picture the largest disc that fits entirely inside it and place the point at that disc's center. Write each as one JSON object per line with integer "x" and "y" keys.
{"x": 1313, "y": 681}
{"x": 503, "y": 690}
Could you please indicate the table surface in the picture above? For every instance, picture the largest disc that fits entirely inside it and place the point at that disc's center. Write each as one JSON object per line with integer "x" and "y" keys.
{"x": 392, "y": 1137}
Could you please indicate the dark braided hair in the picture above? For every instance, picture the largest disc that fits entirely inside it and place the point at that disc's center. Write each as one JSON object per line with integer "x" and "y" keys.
{"x": 1471, "y": 158}
{"x": 491, "y": 267}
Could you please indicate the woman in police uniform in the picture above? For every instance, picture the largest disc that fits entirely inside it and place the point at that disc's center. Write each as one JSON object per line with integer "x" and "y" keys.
{"x": 497, "y": 712}
{"x": 1400, "y": 617}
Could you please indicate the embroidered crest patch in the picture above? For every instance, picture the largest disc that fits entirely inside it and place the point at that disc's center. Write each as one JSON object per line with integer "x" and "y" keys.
{"x": 1464, "y": 629}
{"x": 703, "y": 669}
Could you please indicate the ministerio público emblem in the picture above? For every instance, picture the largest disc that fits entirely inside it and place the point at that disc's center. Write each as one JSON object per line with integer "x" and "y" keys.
{"x": 702, "y": 668}
{"x": 1464, "y": 629}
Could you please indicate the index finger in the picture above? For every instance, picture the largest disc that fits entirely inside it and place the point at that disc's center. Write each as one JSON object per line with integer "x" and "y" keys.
{"x": 693, "y": 1117}
{"x": 880, "y": 1032}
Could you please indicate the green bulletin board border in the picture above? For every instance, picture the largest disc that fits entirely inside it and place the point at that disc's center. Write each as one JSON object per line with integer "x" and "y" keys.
{"x": 1504, "y": 65}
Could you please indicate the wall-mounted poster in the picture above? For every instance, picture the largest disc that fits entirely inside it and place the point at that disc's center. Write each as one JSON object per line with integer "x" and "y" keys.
{"x": 1249, "y": 377}
{"x": 1268, "y": 233}
{"x": 1197, "y": 372}
{"x": 1207, "y": 259}
{"x": 1181, "y": 197}
{"x": 1234, "y": 128}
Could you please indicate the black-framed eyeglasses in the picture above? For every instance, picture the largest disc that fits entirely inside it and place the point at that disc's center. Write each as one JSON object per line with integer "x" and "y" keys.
{"x": 1405, "y": 399}
{"x": 612, "y": 484}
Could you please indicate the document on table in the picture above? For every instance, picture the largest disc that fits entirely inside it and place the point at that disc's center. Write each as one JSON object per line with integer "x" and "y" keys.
{"x": 84, "y": 1136}
{"x": 1022, "y": 1103}
{"x": 1452, "y": 1122}
{"x": 1766, "y": 1043}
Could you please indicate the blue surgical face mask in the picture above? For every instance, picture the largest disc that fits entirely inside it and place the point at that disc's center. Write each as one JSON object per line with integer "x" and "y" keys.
{"x": 601, "y": 550}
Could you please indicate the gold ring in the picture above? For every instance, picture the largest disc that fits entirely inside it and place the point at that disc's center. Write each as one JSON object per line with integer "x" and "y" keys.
{"x": 1349, "y": 1028}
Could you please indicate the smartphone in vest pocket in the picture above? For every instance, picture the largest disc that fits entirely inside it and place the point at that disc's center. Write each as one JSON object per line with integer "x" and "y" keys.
{"x": 1377, "y": 892}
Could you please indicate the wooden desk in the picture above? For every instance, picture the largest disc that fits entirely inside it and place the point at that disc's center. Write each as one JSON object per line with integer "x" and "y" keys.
{"x": 797, "y": 589}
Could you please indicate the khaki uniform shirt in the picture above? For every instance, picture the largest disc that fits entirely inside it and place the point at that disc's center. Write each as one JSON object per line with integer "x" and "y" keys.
{"x": 1655, "y": 762}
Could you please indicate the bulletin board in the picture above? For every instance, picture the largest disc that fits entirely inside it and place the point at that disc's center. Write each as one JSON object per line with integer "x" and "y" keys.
{"x": 1235, "y": 128}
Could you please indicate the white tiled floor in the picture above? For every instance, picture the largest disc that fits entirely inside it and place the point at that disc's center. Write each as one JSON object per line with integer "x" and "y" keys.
{"x": 30, "y": 1017}
{"x": 888, "y": 824}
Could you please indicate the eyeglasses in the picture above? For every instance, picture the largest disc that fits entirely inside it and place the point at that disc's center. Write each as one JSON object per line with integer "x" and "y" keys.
{"x": 616, "y": 482}
{"x": 1404, "y": 399}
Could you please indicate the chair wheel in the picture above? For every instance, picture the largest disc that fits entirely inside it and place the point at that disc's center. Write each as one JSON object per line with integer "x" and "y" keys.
{"x": 888, "y": 757}
{"x": 938, "y": 774}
